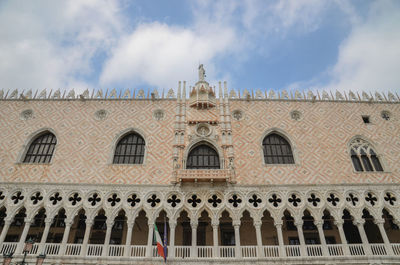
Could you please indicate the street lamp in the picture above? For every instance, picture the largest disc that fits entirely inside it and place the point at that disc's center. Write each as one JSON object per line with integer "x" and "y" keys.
{"x": 27, "y": 248}
{"x": 40, "y": 259}
{"x": 7, "y": 258}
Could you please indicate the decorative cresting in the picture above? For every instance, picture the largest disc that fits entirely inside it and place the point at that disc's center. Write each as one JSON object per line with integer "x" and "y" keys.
{"x": 202, "y": 95}
{"x": 363, "y": 156}
{"x": 277, "y": 150}
{"x": 41, "y": 149}
{"x": 203, "y": 157}
{"x": 130, "y": 149}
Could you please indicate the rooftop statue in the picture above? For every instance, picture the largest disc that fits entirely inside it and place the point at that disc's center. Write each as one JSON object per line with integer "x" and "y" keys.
{"x": 202, "y": 73}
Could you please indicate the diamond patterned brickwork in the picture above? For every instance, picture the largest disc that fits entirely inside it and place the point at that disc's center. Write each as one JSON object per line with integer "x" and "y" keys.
{"x": 320, "y": 140}
{"x": 84, "y": 149}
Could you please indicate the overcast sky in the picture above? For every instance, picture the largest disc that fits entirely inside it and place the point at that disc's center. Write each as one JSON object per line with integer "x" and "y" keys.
{"x": 281, "y": 44}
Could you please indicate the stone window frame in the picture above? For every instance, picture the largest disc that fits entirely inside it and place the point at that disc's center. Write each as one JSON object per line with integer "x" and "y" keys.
{"x": 285, "y": 136}
{"x": 377, "y": 151}
{"x": 121, "y": 135}
{"x": 208, "y": 142}
{"x": 29, "y": 140}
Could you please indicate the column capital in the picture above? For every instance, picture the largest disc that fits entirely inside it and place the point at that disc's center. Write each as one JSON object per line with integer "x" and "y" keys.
{"x": 172, "y": 224}
{"x": 109, "y": 223}
{"x": 215, "y": 223}
{"x": 48, "y": 221}
{"x": 358, "y": 222}
{"x": 194, "y": 224}
{"x": 130, "y": 224}
{"x": 236, "y": 223}
{"x": 150, "y": 223}
{"x": 298, "y": 223}
{"x": 379, "y": 221}
{"x": 257, "y": 223}
{"x": 339, "y": 222}
{"x": 319, "y": 223}
{"x": 8, "y": 221}
{"x": 278, "y": 224}
{"x": 89, "y": 222}
{"x": 28, "y": 221}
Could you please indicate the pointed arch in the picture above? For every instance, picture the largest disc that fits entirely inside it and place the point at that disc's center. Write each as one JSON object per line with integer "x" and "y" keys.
{"x": 39, "y": 147}
{"x": 363, "y": 155}
{"x": 204, "y": 142}
{"x": 277, "y": 148}
{"x": 129, "y": 147}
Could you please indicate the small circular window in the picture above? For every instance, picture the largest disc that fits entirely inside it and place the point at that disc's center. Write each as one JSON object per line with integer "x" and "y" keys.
{"x": 385, "y": 115}
{"x": 295, "y": 115}
{"x": 237, "y": 115}
{"x": 26, "y": 114}
{"x": 158, "y": 115}
{"x": 101, "y": 114}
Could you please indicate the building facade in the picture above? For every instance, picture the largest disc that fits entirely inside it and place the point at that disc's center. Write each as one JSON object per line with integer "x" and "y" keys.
{"x": 231, "y": 177}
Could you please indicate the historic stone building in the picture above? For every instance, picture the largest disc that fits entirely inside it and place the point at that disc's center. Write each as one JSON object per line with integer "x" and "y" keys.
{"x": 239, "y": 177}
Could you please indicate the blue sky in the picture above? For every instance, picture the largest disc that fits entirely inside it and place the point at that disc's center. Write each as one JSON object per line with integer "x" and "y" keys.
{"x": 253, "y": 44}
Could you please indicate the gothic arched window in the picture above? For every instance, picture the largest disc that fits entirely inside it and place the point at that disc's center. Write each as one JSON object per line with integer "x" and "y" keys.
{"x": 277, "y": 150}
{"x": 203, "y": 157}
{"x": 363, "y": 156}
{"x": 41, "y": 149}
{"x": 129, "y": 150}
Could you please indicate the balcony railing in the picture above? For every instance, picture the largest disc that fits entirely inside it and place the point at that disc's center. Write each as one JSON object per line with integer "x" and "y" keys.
{"x": 204, "y": 175}
{"x": 211, "y": 252}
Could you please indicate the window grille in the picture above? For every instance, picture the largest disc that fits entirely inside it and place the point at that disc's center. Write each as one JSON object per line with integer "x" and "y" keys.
{"x": 41, "y": 149}
{"x": 277, "y": 150}
{"x": 203, "y": 157}
{"x": 363, "y": 156}
{"x": 130, "y": 150}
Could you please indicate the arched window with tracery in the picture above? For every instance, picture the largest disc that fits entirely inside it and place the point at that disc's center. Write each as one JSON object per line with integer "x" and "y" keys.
{"x": 41, "y": 149}
{"x": 277, "y": 150}
{"x": 130, "y": 149}
{"x": 363, "y": 156}
{"x": 203, "y": 157}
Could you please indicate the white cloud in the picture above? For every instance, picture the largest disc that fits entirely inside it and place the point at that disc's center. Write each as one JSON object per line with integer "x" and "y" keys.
{"x": 160, "y": 55}
{"x": 50, "y": 44}
{"x": 369, "y": 58}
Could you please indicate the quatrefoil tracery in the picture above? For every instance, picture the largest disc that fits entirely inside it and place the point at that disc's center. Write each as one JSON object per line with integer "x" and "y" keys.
{"x": 194, "y": 200}
{"x": 353, "y": 199}
{"x": 314, "y": 200}
{"x": 293, "y": 199}
{"x": 371, "y": 198}
{"x": 94, "y": 199}
{"x": 113, "y": 200}
{"x": 333, "y": 199}
{"x": 153, "y": 200}
{"x": 255, "y": 200}
{"x": 275, "y": 200}
{"x": 390, "y": 198}
{"x": 17, "y": 197}
{"x": 74, "y": 199}
{"x": 214, "y": 201}
{"x": 36, "y": 198}
{"x": 133, "y": 200}
{"x": 235, "y": 200}
{"x": 55, "y": 198}
{"x": 174, "y": 200}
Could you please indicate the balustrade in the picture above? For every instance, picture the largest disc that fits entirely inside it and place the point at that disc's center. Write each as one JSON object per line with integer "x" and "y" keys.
{"x": 227, "y": 252}
{"x": 116, "y": 250}
{"x": 249, "y": 251}
{"x": 52, "y": 249}
{"x": 335, "y": 250}
{"x": 293, "y": 251}
{"x": 378, "y": 249}
{"x": 8, "y": 247}
{"x": 271, "y": 251}
{"x": 138, "y": 251}
{"x": 356, "y": 249}
{"x": 314, "y": 250}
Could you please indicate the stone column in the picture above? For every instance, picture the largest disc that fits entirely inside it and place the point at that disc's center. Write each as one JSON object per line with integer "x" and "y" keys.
{"x": 193, "y": 252}
{"x": 149, "y": 251}
{"x": 364, "y": 238}
{"x": 257, "y": 225}
{"x": 339, "y": 225}
{"x": 68, "y": 224}
{"x": 299, "y": 226}
{"x": 236, "y": 226}
{"x": 128, "y": 239}
{"x": 319, "y": 224}
{"x": 22, "y": 239}
{"x": 88, "y": 228}
{"x": 7, "y": 223}
{"x": 106, "y": 244}
{"x": 282, "y": 250}
{"x": 380, "y": 223}
{"x": 48, "y": 222}
{"x": 215, "y": 226}
{"x": 171, "y": 252}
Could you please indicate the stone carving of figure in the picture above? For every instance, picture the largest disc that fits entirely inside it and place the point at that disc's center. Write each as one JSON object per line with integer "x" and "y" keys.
{"x": 202, "y": 73}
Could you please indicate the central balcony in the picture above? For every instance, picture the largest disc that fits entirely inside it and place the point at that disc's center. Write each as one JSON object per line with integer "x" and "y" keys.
{"x": 204, "y": 175}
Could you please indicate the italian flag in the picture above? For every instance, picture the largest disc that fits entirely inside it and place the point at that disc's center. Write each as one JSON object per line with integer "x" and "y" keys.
{"x": 160, "y": 246}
